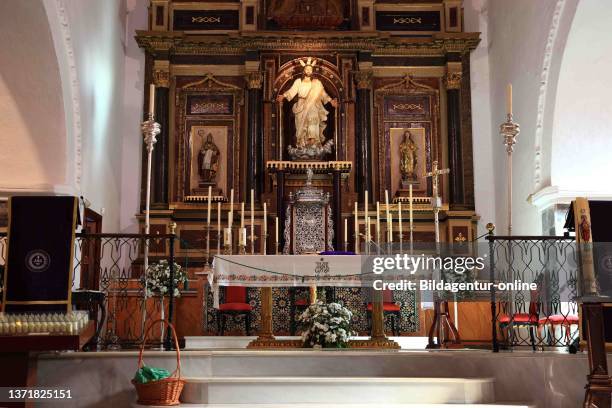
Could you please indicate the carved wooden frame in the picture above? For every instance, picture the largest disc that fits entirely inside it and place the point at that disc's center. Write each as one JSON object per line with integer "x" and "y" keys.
{"x": 209, "y": 85}
{"x": 407, "y": 86}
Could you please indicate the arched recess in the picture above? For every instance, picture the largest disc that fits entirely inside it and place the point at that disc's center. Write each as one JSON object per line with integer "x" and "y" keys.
{"x": 582, "y": 136}
{"x": 33, "y": 141}
{"x": 577, "y": 138}
{"x": 329, "y": 76}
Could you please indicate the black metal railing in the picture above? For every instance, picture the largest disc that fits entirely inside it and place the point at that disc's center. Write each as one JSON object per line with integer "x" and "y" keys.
{"x": 540, "y": 317}
{"x": 112, "y": 265}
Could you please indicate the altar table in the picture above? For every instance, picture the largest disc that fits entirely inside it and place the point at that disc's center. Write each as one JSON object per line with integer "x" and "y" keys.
{"x": 268, "y": 271}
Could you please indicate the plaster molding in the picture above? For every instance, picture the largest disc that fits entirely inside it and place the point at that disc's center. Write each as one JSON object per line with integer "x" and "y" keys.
{"x": 40, "y": 189}
{"x": 551, "y": 195}
{"x": 62, "y": 37}
{"x": 543, "y": 91}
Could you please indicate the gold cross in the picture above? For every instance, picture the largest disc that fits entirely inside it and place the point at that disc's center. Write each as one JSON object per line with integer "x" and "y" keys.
{"x": 434, "y": 173}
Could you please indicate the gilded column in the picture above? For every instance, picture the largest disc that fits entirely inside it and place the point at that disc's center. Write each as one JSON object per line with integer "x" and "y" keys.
{"x": 455, "y": 151}
{"x": 363, "y": 131}
{"x": 255, "y": 147}
{"x": 159, "y": 182}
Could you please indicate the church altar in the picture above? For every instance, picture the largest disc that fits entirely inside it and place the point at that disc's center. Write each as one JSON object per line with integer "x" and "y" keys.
{"x": 267, "y": 271}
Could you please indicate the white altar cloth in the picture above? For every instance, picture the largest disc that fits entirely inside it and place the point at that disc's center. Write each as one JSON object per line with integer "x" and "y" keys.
{"x": 286, "y": 270}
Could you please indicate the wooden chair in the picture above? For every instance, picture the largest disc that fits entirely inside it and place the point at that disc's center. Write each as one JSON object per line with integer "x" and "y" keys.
{"x": 235, "y": 305}
{"x": 390, "y": 308}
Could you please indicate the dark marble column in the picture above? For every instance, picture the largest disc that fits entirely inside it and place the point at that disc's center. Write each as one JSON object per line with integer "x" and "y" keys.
{"x": 159, "y": 175}
{"x": 453, "y": 97}
{"x": 337, "y": 210}
{"x": 255, "y": 148}
{"x": 363, "y": 132}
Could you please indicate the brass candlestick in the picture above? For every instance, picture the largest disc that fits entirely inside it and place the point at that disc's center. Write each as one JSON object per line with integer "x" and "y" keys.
{"x": 150, "y": 129}
{"x": 242, "y": 241}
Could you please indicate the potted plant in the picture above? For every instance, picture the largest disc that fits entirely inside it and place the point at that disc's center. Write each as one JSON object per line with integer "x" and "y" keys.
{"x": 157, "y": 283}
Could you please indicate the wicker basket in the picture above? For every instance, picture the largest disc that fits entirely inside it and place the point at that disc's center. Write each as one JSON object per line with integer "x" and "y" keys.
{"x": 166, "y": 391}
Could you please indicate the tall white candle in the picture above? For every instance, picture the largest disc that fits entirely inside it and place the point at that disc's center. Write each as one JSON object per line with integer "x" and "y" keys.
{"x": 368, "y": 235}
{"x": 152, "y": 99}
{"x": 219, "y": 216}
{"x": 356, "y": 226}
{"x": 509, "y": 99}
{"x": 389, "y": 220}
{"x": 365, "y": 207}
{"x": 230, "y": 217}
{"x": 265, "y": 219}
{"x": 209, "y": 204}
{"x": 410, "y": 207}
{"x": 399, "y": 219}
{"x": 276, "y": 229}
{"x": 345, "y": 230}
{"x": 378, "y": 222}
{"x": 242, "y": 214}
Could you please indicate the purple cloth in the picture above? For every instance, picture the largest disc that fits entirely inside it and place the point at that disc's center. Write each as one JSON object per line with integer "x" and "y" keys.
{"x": 336, "y": 253}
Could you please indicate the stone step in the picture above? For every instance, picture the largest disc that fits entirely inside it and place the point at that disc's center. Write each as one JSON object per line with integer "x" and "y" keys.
{"x": 377, "y": 405}
{"x": 337, "y": 390}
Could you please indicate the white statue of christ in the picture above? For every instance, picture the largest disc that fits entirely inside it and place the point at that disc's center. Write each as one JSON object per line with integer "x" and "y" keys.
{"x": 310, "y": 114}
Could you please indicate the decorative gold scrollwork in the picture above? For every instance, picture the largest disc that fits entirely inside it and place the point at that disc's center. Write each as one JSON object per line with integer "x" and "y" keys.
{"x": 411, "y": 107}
{"x": 206, "y": 19}
{"x": 407, "y": 20}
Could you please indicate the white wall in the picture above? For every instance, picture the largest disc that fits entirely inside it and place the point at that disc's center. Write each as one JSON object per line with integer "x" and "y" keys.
{"x": 97, "y": 34}
{"x": 137, "y": 19}
{"x": 71, "y": 80}
{"x": 476, "y": 20}
{"x": 33, "y": 146}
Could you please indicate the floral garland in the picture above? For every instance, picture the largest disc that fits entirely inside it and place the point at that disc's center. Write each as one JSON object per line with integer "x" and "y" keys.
{"x": 158, "y": 279}
{"x": 326, "y": 325}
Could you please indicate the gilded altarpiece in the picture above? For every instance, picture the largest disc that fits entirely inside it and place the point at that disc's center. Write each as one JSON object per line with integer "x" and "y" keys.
{"x": 407, "y": 105}
{"x": 208, "y": 106}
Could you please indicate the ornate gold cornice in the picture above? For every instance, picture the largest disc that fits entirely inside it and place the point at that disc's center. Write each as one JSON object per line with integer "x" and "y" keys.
{"x": 363, "y": 79}
{"x": 179, "y": 43}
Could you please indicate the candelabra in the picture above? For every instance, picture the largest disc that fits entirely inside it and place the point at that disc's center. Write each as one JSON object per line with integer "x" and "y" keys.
{"x": 150, "y": 129}
{"x": 509, "y": 130}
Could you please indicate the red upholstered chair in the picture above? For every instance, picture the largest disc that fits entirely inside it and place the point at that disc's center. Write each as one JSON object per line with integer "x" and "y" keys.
{"x": 235, "y": 305}
{"x": 297, "y": 307}
{"x": 517, "y": 320}
{"x": 565, "y": 322}
{"x": 390, "y": 308}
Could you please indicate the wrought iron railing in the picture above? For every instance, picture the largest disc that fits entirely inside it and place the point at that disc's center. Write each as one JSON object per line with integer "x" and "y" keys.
{"x": 537, "y": 318}
{"x": 112, "y": 264}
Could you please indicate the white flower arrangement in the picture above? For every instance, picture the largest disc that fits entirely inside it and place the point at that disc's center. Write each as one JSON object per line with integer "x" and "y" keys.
{"x": 326, "y": 325}
{"x": 158, "y": 279}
